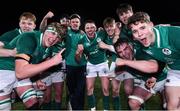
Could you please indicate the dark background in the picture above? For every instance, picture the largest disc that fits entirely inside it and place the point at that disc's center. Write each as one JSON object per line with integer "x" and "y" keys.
{"x": 161, "y": 11}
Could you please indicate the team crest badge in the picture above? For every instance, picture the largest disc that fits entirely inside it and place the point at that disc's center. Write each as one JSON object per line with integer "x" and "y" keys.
{"x": 98, "y": 39}
{"x": 166, "y": 51}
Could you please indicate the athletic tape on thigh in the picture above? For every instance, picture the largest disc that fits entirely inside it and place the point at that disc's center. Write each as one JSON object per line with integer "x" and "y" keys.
{"x": 30, "y": 93}
{"x": 136, "y": 98}
{"x": 5, "y": 104}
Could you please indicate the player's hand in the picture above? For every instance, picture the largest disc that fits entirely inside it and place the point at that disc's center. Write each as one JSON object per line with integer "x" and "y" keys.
{"x": 58, "y": 57}
{"x": 120, "y": 62}
{"x": 150, "y": 82}
{"x": 79, "y": 53}
{"x": 80, "y": 49}
{"x": 49, "y": 15}
{"x": 40, "y": 85}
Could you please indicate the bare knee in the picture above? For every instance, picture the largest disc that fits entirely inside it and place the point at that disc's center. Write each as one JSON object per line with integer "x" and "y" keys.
{"x": 90, "y": 90}
{"x": 134, "y": 104}
{"x": 128, "y": 90}
{"x": 31, "y": 102}
{"x": 105, "y": 91}
{"x": 115, "y": 91}
{"x": 172, "y": 105}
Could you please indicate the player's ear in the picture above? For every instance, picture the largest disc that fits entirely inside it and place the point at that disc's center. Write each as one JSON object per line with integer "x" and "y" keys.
{"x": 151, "y": 23}
{"x": 34, "y": 26}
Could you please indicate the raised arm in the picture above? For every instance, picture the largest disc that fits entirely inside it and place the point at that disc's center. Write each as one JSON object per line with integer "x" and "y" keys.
{"x": 43, "y": 23}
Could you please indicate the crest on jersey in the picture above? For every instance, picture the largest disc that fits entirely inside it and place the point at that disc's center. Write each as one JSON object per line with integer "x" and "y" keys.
{"x": 166, "y": 51}
{"x": 98, "y": 39}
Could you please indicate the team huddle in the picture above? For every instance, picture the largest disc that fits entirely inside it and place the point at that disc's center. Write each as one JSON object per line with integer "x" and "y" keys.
{"x": 144, "y": 56}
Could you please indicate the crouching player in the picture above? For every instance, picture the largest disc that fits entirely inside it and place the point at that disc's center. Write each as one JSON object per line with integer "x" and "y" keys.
{"x": 149, "y": 74}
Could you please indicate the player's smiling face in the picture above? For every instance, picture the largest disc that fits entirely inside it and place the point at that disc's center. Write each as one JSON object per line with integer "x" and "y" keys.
{"x": 125, "y": 51}
{"x": 124, "y": 16}
{"x": 110, "y": 28}
{"x": 26, "y": 24}
{"x": 143, "y": 32}
{"x": 50, "y": 38}
{"x": 90, "y": 29}
{"x": 75, "y": 23}
{"x": 64, "y": 21}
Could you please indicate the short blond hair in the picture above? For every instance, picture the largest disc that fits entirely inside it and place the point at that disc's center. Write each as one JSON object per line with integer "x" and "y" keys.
{"x": 28, "y": 15}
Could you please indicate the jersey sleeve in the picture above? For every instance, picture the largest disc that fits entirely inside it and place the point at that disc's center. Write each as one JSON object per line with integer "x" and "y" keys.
{"x": 101, "y": 35}
{"x": 174, "y": 34}
{"x": 8, "y": 36}
{"x": 25, "y": 45}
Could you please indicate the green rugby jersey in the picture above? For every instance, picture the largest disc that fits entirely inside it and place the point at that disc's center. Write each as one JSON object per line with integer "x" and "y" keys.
{"x": 94, "y": 53}
{"x": 109, "y": 40}
{"x": 141, "y": 55}
{"x": 72, "y": 40}
{"x": 166, "y": 47}
{"x": 10, "y": 35}
{"x": 30, "y": 43}
{"x": 7, "y": 63}
{"x": 51, "y": 51}
{"x": 125, "y": 33}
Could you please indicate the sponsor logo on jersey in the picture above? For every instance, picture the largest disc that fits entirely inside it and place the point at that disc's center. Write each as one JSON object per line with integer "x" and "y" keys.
{"x": 87, "y": 44}
{"x": 94, "y": 52}
{"x": 149, "y": 52}
{"x": 166, "y": 51}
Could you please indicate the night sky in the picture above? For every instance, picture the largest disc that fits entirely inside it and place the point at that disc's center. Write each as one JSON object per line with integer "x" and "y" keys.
{"x": 164, "y": 11}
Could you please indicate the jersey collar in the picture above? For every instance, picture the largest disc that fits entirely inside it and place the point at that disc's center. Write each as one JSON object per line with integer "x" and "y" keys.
{"x": 157, "y": 35}
{"x": 41, "y": 37}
